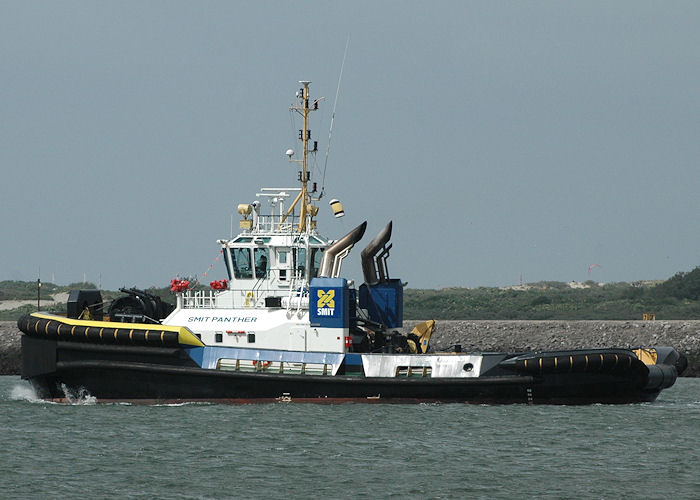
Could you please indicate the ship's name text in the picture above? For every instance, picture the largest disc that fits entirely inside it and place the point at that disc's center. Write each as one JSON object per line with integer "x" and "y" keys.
{"x": 222, "y": 319}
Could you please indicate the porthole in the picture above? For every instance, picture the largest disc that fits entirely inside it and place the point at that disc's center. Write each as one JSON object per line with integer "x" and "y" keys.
{"x": 468, "y": 367}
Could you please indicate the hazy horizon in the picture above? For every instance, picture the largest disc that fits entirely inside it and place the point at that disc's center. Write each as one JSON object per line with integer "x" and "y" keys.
{"x": 206, "y": 281}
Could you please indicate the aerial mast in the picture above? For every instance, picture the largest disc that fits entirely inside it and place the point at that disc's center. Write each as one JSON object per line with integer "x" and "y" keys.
{"x": 303, "y": 108}
{"x": 306, "y": 135}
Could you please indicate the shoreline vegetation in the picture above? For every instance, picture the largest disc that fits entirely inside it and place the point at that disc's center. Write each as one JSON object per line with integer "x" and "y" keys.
{"x": 677, "y": 298}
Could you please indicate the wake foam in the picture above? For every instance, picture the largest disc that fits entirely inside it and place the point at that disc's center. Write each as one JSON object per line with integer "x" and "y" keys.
{"x": 24, "y": 392}
{"x": 81, "y": 397}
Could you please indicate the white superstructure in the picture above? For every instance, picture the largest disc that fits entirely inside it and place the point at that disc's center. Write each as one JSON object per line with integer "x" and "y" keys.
{"x": 264, "y": 304}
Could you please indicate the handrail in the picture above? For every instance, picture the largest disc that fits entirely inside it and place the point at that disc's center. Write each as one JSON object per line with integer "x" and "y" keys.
{"x": 270, "y": 223}
{"x": 199, "y": 299}
{"x": 292, "y": 285}
{"x": 207, "y": 299}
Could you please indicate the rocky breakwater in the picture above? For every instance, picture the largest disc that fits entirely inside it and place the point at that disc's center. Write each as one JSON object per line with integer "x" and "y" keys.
{"x": 518, "y": 336}
{"x": 10, "y": 358}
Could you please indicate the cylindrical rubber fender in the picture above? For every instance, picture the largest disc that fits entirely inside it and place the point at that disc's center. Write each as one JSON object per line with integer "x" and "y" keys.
{"x": 122, "y": 335}
{"x": 661, "y": 377}
{"x": 617, "y": 361}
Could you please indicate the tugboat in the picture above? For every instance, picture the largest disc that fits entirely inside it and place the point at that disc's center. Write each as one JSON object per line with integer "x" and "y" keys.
{"x": 285, "y": 326}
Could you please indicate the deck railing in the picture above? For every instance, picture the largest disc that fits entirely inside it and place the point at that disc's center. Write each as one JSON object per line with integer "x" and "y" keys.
{"x": 199, "y": 299}
{"x": 246, "y": 297}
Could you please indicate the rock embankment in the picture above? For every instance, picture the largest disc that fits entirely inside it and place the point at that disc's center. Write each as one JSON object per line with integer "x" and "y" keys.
{"x": 509, "y": 336}
{"x": 10, "y": 360}
{"x": 514, "y": 336}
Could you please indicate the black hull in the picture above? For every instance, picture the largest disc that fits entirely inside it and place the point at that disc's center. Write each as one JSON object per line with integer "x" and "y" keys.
{"x": 148, "y": 374}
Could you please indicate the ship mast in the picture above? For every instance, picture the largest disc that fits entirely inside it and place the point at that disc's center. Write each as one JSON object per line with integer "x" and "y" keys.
{"x": 302, "y": 107}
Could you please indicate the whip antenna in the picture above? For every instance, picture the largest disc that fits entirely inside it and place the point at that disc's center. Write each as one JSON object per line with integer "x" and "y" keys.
{"x": 330, "y": 132}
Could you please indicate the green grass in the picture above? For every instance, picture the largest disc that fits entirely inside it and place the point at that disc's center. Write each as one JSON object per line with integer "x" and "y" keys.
{"x": 676, "y": 298}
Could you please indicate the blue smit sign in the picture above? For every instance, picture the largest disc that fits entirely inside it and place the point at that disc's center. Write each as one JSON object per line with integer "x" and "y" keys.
{"x": 329, "y": 303}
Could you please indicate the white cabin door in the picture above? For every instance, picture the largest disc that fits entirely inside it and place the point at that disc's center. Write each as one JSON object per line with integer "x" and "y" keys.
{"x": 297, "y": 339}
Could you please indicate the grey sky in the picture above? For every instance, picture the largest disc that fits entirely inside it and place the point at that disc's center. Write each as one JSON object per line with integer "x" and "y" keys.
{"x": 501, "y": 137}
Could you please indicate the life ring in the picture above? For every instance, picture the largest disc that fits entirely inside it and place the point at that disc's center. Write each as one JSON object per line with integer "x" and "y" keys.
{"x": 263, "y": 364}
{"x": 249, "y": 299}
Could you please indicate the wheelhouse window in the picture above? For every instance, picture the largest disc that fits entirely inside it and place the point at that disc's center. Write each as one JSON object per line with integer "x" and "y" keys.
{"x": 228, "y": 267}
{"x": 242, "y": 263}
{"x": 316, "y": 256}
{"x": 300, "y": 260}
{"x": 262, "y": 258}
{"x": 315, "y": 261}
{"x": 282, "y": 264}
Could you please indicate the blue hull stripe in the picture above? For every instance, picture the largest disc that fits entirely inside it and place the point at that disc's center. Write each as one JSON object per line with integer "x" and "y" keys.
{"x": 209, "y": 356}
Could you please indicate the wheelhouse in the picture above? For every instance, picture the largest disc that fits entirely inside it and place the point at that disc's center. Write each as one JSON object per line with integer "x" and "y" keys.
{"x": 272, "y": 261}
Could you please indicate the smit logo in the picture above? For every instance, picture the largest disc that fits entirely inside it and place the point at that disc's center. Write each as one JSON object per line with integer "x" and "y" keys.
{"x": 326, "y": 303}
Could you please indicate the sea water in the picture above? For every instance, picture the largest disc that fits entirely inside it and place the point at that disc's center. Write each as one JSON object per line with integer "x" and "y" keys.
{"x": 286, "y": 450}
